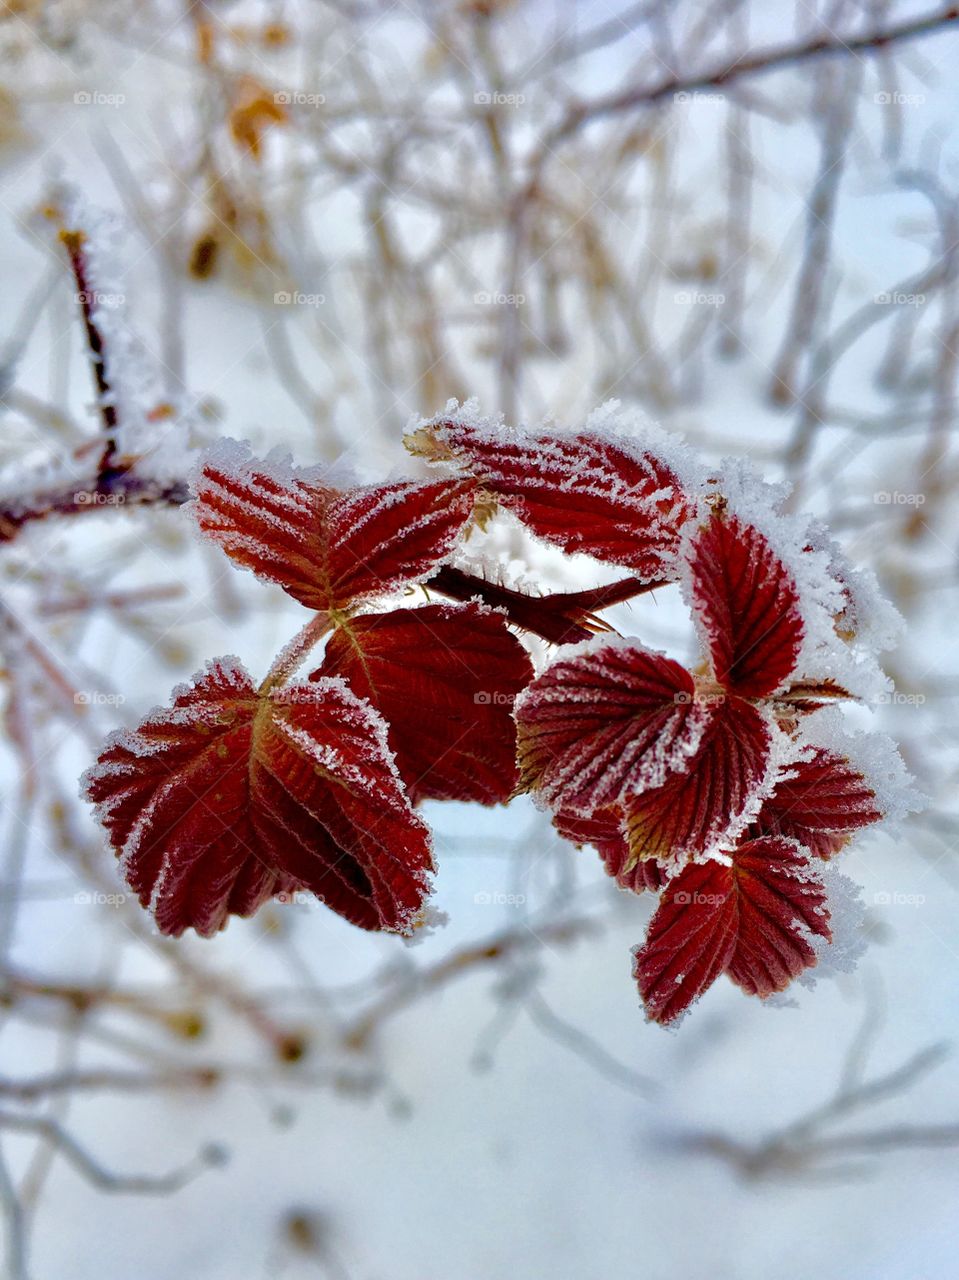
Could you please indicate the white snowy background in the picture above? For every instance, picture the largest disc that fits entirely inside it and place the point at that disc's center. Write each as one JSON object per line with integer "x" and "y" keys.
{"x": 519, "y": 1118}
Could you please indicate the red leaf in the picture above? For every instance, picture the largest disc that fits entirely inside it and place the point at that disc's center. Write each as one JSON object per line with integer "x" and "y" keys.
{"x": 695, "y": 810}
{"x": 753, "y": 920}
{"x": 230, "y": 797}
{"x": 325, "y": 547}
{"x": 586, "y": 492}
{"x": 597, "y": 728}
{"x": 820, "y": 802}
{"x": 748, "y": 605}
{"x": 444, "y": 678}
{"x": 605, "y": 832}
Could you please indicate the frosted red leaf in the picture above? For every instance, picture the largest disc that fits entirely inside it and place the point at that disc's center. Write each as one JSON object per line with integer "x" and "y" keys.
{"x": 327, "y": 547}
{"x": 821, "y": 802}
{"x": 587, "y": 492}
{"x": 444, "y": 678}
{"x": 748, "y": 606}
{"x": 604, "y": 725}
{"x": 754, "y": 921}
{"x": 230, "y": 796}
{"x": 604, "y": 831}
{"x": 695, "y": 808}
{"x": 620, "y": 727}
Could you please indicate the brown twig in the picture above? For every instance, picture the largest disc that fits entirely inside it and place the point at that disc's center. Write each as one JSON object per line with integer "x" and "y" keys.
{"x": 412, "y": 987}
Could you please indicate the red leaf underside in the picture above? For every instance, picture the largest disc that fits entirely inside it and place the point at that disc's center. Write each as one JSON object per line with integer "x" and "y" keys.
{"x": 584, "y": 493}
{"x": 821, "y": 802}
{"x": 445, "y": 678}
{"x": 753, "y": 920}
{"x": 228, "y": 798}
{"x": 384, "y": 537}
{"x": 596, "y": 728}
{"x": 748, "y": 605}
{"x": 693, "y": 811}
{"x": 604, "y": 831}
{"x": 328, "y": 547}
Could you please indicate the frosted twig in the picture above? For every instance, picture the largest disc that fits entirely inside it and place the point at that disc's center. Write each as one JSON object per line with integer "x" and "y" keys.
{"x": 94, "y": 1172}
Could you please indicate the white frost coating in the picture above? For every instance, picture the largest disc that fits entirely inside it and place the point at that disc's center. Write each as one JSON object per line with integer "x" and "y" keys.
{"x": 468, "y": 414}
{"x": 390, "y": 497}
{"x": 630, "y": 429}
{"x": 227, "y": 668}
{"x": 367, "y": 719}
{"x": 230, "y": 473}
{"x": 641, "y": 764}
{"x": 159, "y": 885}
{"x": 633, "y": 431}
{"x": 872, "y": 754}
{"x": 496, "y": 566}
{"x": 28, "y": 486}
{"x": 782, "y": 752}
{"x": 876, "y": 624}
{"x": 235, "y": 460}
{"x": 847, "y": 913}
{"x": 427, "y": 922}
{"x": 606, "y": 640}
{"x": 644, "y": 765}
{"x": 647, "y": 446}
{"x": 823, "y": 655}
{"x": 231, "y": 677}
{"x": 136, "y": 388}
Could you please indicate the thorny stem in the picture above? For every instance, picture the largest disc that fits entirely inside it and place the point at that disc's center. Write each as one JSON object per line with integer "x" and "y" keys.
{"x": 564, "y": 617}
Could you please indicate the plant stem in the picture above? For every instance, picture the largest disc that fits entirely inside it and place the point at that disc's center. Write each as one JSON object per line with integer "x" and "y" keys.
{"x": 293, "y": 653}
{"x": 565, "y": 617}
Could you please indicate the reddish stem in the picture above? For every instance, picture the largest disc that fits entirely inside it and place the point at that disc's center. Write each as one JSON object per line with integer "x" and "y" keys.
{"x": 73, "y": 242}
{"x": 565, "y": 617}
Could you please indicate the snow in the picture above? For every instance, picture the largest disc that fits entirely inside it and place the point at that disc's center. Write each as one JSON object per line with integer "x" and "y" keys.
{"x": 847, "y": 920}
{"x": 628, "y": 426}
{"x": 448, "y": 1169}
{"x": 873, "y": 754}
{"x": 159, "y": 444}
{"x": 800, "y": 546}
